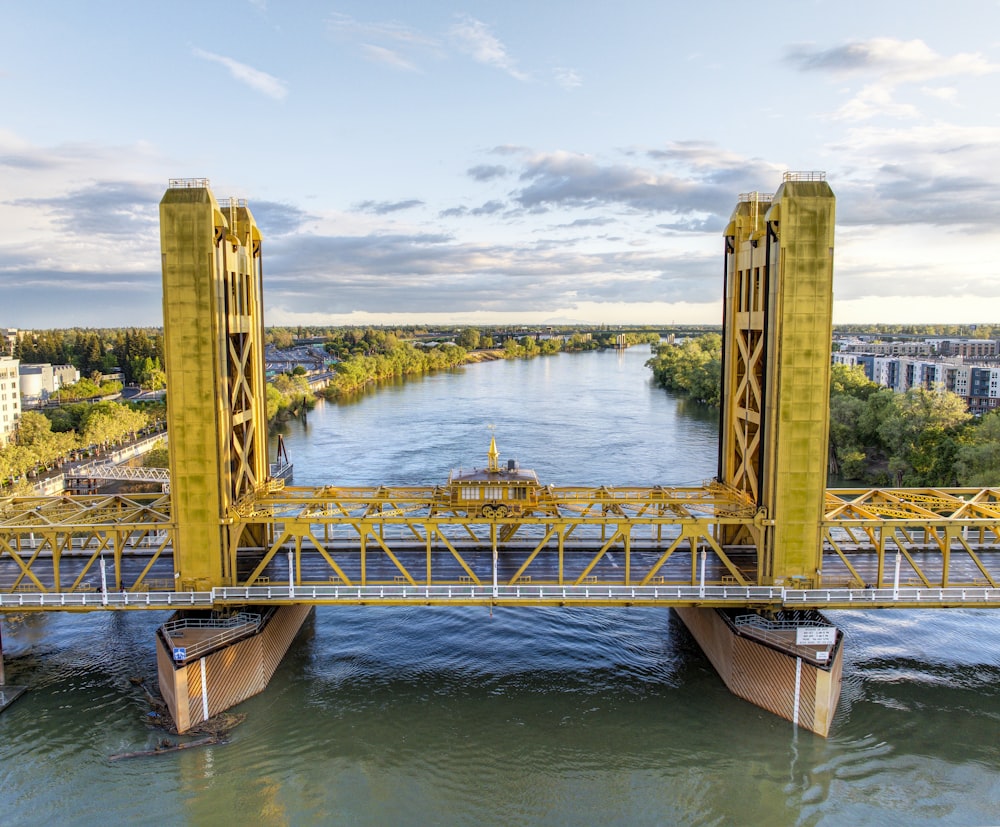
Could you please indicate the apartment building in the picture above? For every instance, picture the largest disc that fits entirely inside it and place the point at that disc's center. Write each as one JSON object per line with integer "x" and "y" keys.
{"x": 10, "y": 398}
{"x": 974, "y": 377}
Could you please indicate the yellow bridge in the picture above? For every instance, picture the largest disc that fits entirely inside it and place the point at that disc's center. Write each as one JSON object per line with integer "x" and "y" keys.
{"x": 766, "y": 536}
{"x": 635, "y": 546}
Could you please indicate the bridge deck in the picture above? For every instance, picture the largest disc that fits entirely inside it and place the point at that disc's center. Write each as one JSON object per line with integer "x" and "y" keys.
{"x": 582, "y": 545}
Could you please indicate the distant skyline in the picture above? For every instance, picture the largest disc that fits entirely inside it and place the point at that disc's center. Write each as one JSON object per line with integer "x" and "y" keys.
{"x": 482, "y": 163}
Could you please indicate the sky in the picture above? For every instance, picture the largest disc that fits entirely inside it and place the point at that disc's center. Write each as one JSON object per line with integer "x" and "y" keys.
{"x": 556, "y": 162}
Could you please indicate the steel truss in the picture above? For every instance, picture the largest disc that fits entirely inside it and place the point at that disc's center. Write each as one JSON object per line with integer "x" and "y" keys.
{"x": 567, "y": 540}
{"x": 931, "y": 543}
{"x": 44, "y": 536}
{"x": 928, "y": 537}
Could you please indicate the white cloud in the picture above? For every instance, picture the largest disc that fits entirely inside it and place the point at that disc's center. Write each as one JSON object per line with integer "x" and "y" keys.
{"x": 389, "y": 57}
{"x": 475, "y": 39}
{"x": 898, "y": 60}
{"x": 567, "y": 78}
{"x": 893, "y": 63}
{"x": 939, "y": 174}
{"x": 254, "y": 78}
{"x": 875, "y": 99}
{"x": 396, "y": 32}
{"x": 945, "y": 93}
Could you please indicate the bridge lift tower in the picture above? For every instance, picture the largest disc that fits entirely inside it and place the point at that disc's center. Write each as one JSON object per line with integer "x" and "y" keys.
{"x": 213, "y": 322}
{"x": 774, "y": 427}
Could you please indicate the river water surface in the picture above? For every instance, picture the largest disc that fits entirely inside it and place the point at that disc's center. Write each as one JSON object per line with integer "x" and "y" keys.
{"x": 454, "y": 716}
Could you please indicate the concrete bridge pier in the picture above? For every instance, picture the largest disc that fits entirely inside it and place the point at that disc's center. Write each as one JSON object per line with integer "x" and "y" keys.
{"x": 8, "y": 694}
{"x": 206, "y": 664}
{"x": 790, "y": 667}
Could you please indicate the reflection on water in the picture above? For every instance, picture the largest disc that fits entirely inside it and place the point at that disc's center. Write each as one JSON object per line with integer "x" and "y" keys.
{"x": 416, "y": 716}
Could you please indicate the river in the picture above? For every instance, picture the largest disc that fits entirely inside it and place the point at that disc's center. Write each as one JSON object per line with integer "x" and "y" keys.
{"x": 456, "y": 716}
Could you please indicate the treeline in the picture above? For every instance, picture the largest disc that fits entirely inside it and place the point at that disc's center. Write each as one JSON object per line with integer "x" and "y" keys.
{"x": 692, "y": 367}
{"x": 375, "y": 354}
{"x": 365, "y": 356}
{"x": 877, "y": 436}
{"x": 46, "y": 439}
{"x": 136, "y": 352}
{"x": 486, "y": 336}
{"x": 392, "y": 358}
{"x": 919, "y": 438}
{"x": 289, "y": 394}
{"x": 961, "y": 331}
{"x": 86, "y": 389}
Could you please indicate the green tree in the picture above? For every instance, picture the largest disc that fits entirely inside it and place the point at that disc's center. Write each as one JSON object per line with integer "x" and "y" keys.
{"x": 468, "y": 338}
{"x": 693, "y": 367}
{"x": 921, "y": 434}
{"x": 977, "y": 461}
{"x": 34, "y": 432}
{"x": 110, "y": 422}
{"x": 157, "y": 457}
{"x": 850, "y": 391}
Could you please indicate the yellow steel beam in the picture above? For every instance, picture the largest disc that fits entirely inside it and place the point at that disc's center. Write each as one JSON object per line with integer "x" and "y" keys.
{"x": 937, "y": 522}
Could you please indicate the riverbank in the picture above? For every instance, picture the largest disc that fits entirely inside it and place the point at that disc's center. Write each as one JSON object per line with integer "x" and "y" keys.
{"x": 475, "y": 356}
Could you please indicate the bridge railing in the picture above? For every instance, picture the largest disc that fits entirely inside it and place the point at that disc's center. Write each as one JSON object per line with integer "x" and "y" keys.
{"x": 227, "y": 630}
{"x": 527, "y": 594}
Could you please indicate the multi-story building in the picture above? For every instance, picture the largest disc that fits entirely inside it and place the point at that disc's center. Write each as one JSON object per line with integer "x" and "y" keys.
{"x": 38, "y": 382}
{"x": 8, "y": 339}
{"x": 10, "y": 398}
{"x": 972, "y": 348}
{"x": 984, "y": 389}
{"x": 975, "y": 377}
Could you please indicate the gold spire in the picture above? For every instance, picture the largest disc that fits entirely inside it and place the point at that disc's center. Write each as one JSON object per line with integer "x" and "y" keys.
{"x": 494, "y": 456}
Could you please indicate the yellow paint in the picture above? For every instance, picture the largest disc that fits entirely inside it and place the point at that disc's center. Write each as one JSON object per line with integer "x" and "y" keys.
{"x": 777, "y": 334}
{"x": 213, "y": 341}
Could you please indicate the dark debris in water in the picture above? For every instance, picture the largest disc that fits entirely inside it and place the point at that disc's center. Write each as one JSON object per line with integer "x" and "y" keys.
{"x": 213, "y": 731}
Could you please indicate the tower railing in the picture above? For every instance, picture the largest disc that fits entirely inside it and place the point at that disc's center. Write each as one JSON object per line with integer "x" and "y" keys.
{"x": 812, "y": 175}
{"x": 188, "y": 183}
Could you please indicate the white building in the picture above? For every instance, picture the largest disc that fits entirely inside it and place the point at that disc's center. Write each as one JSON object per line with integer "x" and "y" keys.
{"x": 10, "y": 398}
{"x": 39, "y": 382}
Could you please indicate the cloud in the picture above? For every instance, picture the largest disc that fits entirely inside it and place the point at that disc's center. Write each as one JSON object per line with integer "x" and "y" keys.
{"x": 259, "y": 81}
{"x": 487, "y": 172}
{"x": 510, "y": 149}
{"x": 389, "y": 43}
{"x": 903, "y": 60}
{"x": 892, "y": 63}
{"x": 702, "y": 185}
{"x": 388, "y": 31}
{"x": 567, "y": 78}
{"x": 589, "y": 222}
{"x": 945, "y": 93}
{"x": 386, "y": 207}
{"x": 474, "y": 38}
{"x": 395, "y": 273}
{"x": 104, "y": 208}
{"x": 38, "y": 297}
{"x": 274, "y": 218}
{"x": 489, "y": 208}
{"x": 937, "y": 175}
{"x": 32, "y": 161}
{"x": 380, "y": 54}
